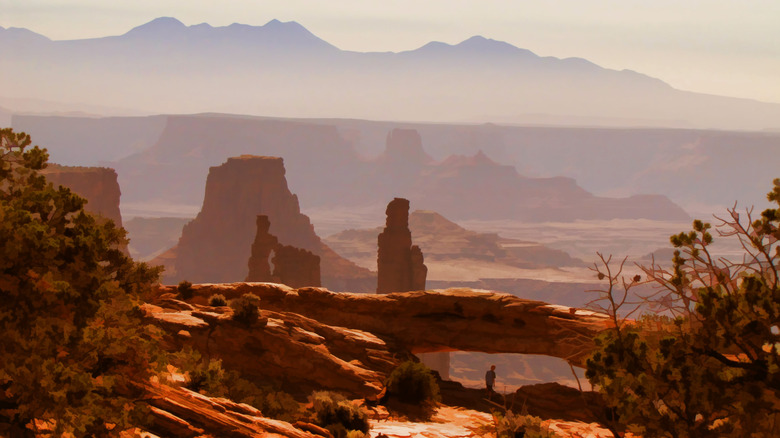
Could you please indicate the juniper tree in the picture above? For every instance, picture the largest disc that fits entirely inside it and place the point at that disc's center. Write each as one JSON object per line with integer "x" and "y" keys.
{"x": 72, "y": 344}
{"x": 715, "y": 371}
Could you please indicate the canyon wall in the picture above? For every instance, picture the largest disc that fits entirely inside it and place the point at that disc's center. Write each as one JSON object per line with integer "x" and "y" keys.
{"x": 98, "y": 185}
{"x": 325, "y": 169}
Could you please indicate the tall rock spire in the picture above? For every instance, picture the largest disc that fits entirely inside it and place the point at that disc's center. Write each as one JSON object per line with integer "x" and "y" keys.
{"x": 400, "y": 265}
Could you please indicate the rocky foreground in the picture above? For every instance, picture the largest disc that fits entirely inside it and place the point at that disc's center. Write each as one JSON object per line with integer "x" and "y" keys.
{"x": 182, "y": 413}
{"x": 313, "y": 339}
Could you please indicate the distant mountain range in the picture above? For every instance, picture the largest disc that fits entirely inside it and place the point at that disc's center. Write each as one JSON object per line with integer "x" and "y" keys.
{"x": 282, "y": 69}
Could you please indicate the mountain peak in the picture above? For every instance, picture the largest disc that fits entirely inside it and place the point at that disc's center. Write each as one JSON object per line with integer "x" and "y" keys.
{"x": 488, "y": 45}
{"x": 290, "y": 27}
{"x": 274, "y": 34}
{"x": 166, "y": 21}
{"x": 21, "y": 34}
{"x": 158, "y": 26}
{"x": 477, "y": 45}
{"x": 481, "y": 158}
{"x": 478, "y": 39}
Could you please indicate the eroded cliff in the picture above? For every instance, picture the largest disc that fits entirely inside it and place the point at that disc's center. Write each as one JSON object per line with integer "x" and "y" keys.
{"x": 98, "y": 185}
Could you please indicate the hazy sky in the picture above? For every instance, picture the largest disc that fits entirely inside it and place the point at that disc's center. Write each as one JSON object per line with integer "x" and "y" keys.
{"x": 725, "y": 47}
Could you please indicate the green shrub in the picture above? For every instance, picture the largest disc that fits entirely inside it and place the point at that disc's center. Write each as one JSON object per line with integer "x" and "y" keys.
{"x": 206, "y": 377}
{"x": 201, "y": 376}
{"x": 715, "y": 371}
{"x": 73, "y": 337}
{"x": 413, "y": 383}
{"x": 274, "y": 404}
{"x": 337, "y": 414}
{"x": 511, "y": 425}
{"x": 209, "y": 378}
{"x": 217, "y": 300}
{"x": 185, "y": 290}
{"x": 245, "y": 308}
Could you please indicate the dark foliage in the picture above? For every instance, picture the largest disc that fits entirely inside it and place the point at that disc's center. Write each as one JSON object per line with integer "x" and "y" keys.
{"x": 337, "y": 414}
{"x": 413, "y": 383}
{"x": 217, "y": 300}
{"x": 245, "y": 309}
{"x": 73, "y": 345}
{"x": 714, "y": 371}
{"x": 210, "y": 378}
{"x": 185, "y": 290}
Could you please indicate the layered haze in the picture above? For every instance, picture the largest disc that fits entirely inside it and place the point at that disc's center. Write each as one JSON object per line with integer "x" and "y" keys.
{"x": 518, "y": 167}
{"x": 282, "y": 69}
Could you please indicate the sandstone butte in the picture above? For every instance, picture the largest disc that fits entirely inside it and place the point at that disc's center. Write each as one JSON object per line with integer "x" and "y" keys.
{"x": 311, "y": 338}
{"x": 215, "y": 246}
{"x": 98, "y": 185}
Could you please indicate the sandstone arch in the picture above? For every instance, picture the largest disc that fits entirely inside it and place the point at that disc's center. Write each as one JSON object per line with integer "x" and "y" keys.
{"x": 431, "y": 321}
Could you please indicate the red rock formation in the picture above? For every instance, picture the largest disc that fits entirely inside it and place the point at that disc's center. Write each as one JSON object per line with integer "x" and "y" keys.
{"x": 563, "y": 402}
{"x": 477, "y": 187}
{"x": 282, "y": 347}
{"x": 296, "y": 267}
{"x": 446, "y": 241}
{"x": 183, "y": 413}
{"x": 400, "y": 266}
{"x": 216, "y": 245}
{"x": 264, "y": 244}
{"x": 98, "y": 185}
{"x": 404, "y": 148}
{"x": 429, "y": 321}
{"x": 419, "y": 270}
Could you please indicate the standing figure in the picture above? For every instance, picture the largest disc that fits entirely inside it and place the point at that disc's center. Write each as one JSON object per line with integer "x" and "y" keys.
{"x": 490, "y": 381}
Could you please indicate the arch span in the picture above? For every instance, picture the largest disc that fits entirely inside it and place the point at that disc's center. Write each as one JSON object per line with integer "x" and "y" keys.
{"x": 430, "y": 321}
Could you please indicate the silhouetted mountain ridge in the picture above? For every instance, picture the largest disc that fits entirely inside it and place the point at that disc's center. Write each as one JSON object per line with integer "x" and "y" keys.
{"x": 476, "y": 45}
{"x": 158, "y": 27}
{"x": 282, "y": 69}
{"x": 20, "y": 35}
{"x": 273, "y": 35}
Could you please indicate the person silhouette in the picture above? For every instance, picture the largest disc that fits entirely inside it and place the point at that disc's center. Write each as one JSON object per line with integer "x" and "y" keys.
{"x": 490, "y": 381}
